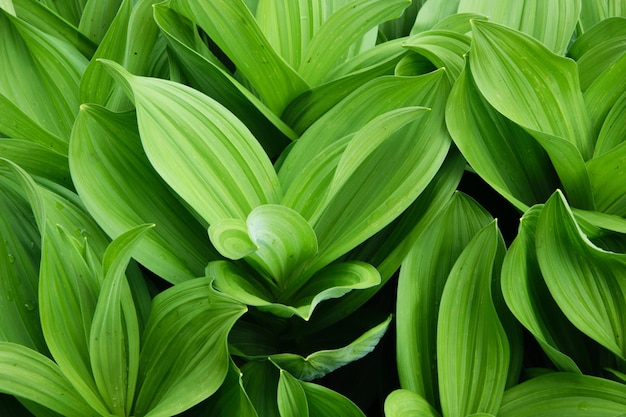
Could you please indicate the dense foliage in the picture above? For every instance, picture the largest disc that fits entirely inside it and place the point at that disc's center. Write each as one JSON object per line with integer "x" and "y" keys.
{"x": 286, "y": 208}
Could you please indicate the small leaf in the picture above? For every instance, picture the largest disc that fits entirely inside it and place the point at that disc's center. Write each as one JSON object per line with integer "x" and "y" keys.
{"x": 292, "y": 400}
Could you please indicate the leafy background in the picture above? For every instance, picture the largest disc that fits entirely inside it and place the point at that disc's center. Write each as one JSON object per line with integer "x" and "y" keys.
{"x": 313, "y": 208}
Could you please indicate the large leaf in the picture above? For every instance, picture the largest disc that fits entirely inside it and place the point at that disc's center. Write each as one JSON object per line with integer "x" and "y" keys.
{"x": 550, "y": 22}
{"x": 114, "y": 336}
{"x": 613, "y": 133}
{"x": 38, "y": 160}
{"x": 595, "y": 11}
{"x": 565, "y": 394}
{"x": 96, "y": 18}
{"x": 30, "y": 375}
{"x": 291, "y": 398}
{"x": 200, "y": 149}
{"x": 586, "y": 282}
{"x": 472, "y": 346}
{"x": 423, "y": 275}
{"x": 232, "y": 27}
{"x": 406, "y": 403}
{"x": 260, "y": 380}
{"x": 121, "y": 190}
{"x": 607, "y": 173}
{"x": 530, "y": 301}
{"x": 502, "y": 153}
{"x": 184, "y": 357}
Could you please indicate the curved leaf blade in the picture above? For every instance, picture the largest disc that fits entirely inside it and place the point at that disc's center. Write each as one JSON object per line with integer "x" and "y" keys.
{"x": 406, "y": 403}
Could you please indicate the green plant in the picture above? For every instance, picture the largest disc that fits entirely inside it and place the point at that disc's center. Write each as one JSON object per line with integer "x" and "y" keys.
{"x": 206, "y": 204}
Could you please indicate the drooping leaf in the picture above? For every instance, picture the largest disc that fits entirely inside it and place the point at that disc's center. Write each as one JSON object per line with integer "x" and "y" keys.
{"x": 121, "y": 190}
{"x": 444, "y": 48}
{"x": 585, "y": 281}
{"x": 184, "y": 356}
{"x": 321, "y": 363}
{"x": 472, "y": 347}
{"x": 200, "y": 149}
{"x": 114, "y": 335}
{"x": 30, "y": 375}
{"x": 233, "y": 28}
{"x": 406, "y": 403}
{"x": 422, "y": 279}
{"x": 577, "y": 395}
{"x": 432, "y": 12}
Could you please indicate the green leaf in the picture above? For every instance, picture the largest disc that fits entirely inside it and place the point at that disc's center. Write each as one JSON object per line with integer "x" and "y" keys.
{"x": 69, "y": 10}
{"x": 550, "y": 22}
{"x": 608, "y": 177}
{"x": 341, "y": 30}
{"x": 613, "y": 131}
{"x": 565, "y": 394}
{"x": 432, "y": 12}
{"x": 325, "y": 402}
{"x": 527, "y": 296}
{"x": 201, "y": 149}
{"x": 292, "y": 400}
{"x": 585, "y": 281}
{"x": 472, "y": 346}
{"x": 233, "y": 28}
{"x": 502, "y": 153}
{"x": 260, "y": 380}
{"x": 275, "y": 240}
{"x": 202, "y": 71}
{"x": 97, "y": 17}
{"x": 39, "y": 161}
{"x": 406, "y": 403}
{"x": 121, "y": 190}
{"x": 323, "y": 362}
{"x": 444, "y": 48}
{"x": 184, "y": 357}
{"x": 30, "y": 375}
{"x": 595, "y": 11}
{"x": 420, "y": 287}
{"x": 114, "y": 336}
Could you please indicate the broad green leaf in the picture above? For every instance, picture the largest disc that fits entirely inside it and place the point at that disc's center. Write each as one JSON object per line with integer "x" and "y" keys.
{"x": 202, "y": 71}
{"x": 7, "y": 5}
{"x": 275, "y": 240}
{"x": 510, "y": 67}
{"x": 565, "y": 394}
{"x": 406, "y": 403}
{"x": 550, "y": 22}
{"x": 292, "y": 401}
{"x": 444, "y": 48}
{"x": 502, "y": 153}
{"x": 374, "y": 98}
{"x": 472, "y": 346}
{"x": 585, "y": 281}
{"x": 201, "y": 149}
{"x": 70, "y": 10}
{"x": 341, "y": 30}
{"x": 400, "y": 27}
{"x": 459, "y": 22}
{"x": 46, "y": 94}
{"x": 260, "y": 380}
{"x": 30, "y": 375}
{"x": 326, "y": 402}
{"x": 606, "y": 90}
{"x": 121, "y": 190}
{"x": 423, "y": 275}
{"x": 613, "y": 132}
{"x": 607, "y": 173}
{"x": 133, "y": 41}
{"x": 184, "y": 357}
{"x": 114, "y": 336}
{"x": 38, "y": 160}
{"x": 19, "y": 266}
{"x": 45, "y": 19}
{"x": 432, "y": 12}
{"x": 321, "y": 363}
{"x": 595, "y": 11}
{"x": 232, "y": 27}
{"x": 96, "y": 18}
{"x": 530, "y": 301}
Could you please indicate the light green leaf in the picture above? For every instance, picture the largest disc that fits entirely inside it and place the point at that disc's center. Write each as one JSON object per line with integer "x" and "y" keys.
{"x": 184, "y": 357}
{"x": 38, "y": 160}
{"x": 323, "y": 362}
{"x": 114, "y": 336}
{"x": 608, "y": 180}
{"x": 275, "y": 240}
{"x": 432, "y": 12}
{"x": 444, "y": 48}
{"x": 501, "y": 152}
{"x": 577, "y": 395}
{"x": 406, "y": 403}
{"x": 341, "y": 30}
{"x": 510, "y": 68}
{"x": 292, "y": 400}
{"x": 70, "y": 10}
{"x": 201, "y": 149}
{"x": 121, "y": 190}
{"x": 585, "y": 281}
{"x": 325, "y": 402}
{"x": 422, "y": 278}
{"x": 550, "y": 22}
{"x": 30, "y": 375}
{"x": 96, "y": 18}
{"x": 613, "y": 131}
{"x": 232, "y": 27}
{"x": 529, "y": 300}
{"x": 204, "y": 72}
{"x": 595, "y": 11}
{"x": 7, "y": 6}
{"x": 472, "y": 346}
